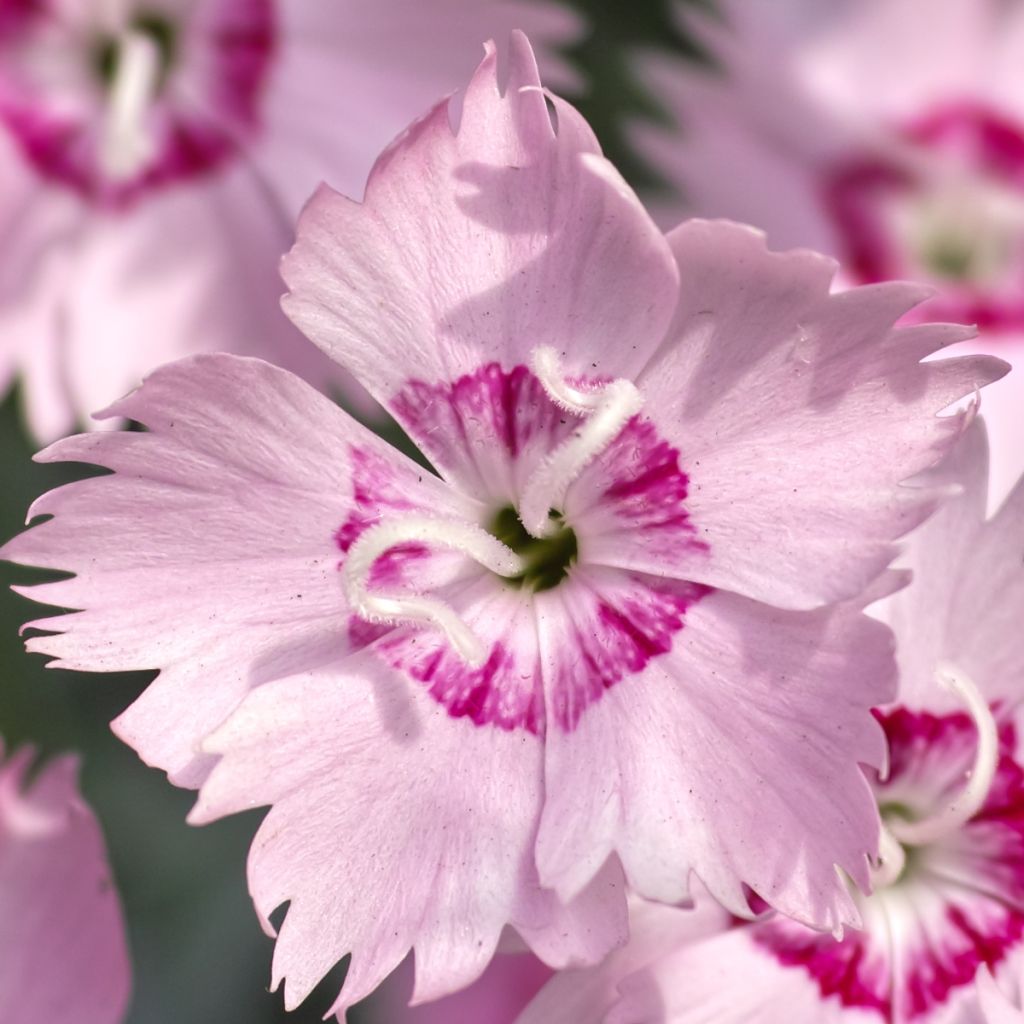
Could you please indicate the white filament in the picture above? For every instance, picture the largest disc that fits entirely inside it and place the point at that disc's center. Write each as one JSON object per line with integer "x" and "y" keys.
{"x": 416, "y": 608}
{"x": 972, "y": 797}
{"x": 126, "y": 145}
{"x": 608, "y": 409}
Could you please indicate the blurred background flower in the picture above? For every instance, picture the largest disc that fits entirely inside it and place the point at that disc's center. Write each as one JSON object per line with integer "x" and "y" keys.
{"x": 62, "y": 943}
{"x": 886, "y": 133}
{"x": 154, "y": 155}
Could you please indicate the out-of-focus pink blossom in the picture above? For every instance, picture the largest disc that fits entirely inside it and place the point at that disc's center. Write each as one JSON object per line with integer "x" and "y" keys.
{"x": 948, "y": 889}
{"x": 601, "y": 644}
{"x": 155, "y": 153}
{"x": 62, "y": 942}
{"x": 887, "y": 133}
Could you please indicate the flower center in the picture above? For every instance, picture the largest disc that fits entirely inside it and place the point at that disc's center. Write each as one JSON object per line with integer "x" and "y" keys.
{"x": 963, "y": 232}
{"x": 530, "y": 546}
{"x": 902, "y": 830}
{"x": 159, "y": 30}
{"x": 606, "y": 410}
{"x": 546, "y": 560}
{"x": 944, "y": 204}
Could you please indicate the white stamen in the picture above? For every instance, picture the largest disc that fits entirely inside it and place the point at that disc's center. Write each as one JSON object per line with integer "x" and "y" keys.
{"x": 395, "y": 608}
{"x": 608, "y": 409}
{"x": 972, "y": 797}
{"x": 126, "y": 145}
{"x": 891, "y": 860}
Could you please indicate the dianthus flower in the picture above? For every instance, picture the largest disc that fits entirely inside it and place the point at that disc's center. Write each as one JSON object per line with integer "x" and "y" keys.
{"x": 62, "y": 942}
{"x": 851, "y": 129}
{"x": 594, "y": 643}
{"x": 154, "y": 155}
{"x": 947, "y": 893}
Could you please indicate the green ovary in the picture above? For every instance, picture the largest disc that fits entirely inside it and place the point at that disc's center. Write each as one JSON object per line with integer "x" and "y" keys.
{"x": 547, "y": 559}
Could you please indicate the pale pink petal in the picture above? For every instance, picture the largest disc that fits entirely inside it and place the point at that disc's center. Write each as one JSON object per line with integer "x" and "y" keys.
{"x": 62, "y": 941}
{"x": 496, "y": 997}
{"x": 881, "y": 42}
{"x": 996, "y": 1007}
{"x": 212, "y": 554}
{"x": 735, "y": 756}
{"x": 727, "y": 980}
{"x": 486, "y": 241}
{"x": 797, "y": 414}
{"x": 1002, "y": 408}
{"x": 372, "y": 779}
{"x": 968, "y": 589}
{"x": 351, "y": 75}
{"x": 38, "y": 228}
{"x": 584, "y": 995}
{"x": 134, "y": 301}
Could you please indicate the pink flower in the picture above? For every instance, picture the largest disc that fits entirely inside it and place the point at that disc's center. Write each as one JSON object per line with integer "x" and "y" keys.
{"x": 886, "y": 133}
{"x": 153, "y": 157}
{"x": 595, "y": 644}
{"x": 62, "y": 942}
{"x": 949, "y": 890}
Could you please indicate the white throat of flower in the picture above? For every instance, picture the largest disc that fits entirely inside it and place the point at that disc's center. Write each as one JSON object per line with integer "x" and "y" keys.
{"x": 962, "y": 227}
{"x": 898, "y": 833}
{"x": 126, "y": 144}
{"x": 607, "y": 409}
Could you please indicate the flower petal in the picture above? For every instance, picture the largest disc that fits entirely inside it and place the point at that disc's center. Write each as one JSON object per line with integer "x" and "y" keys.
{"x": 211, "y": 552}
{"x": 735, "y": 756}
{"x": 496, "y": 996}
{"x": 584, "y": 995}
{"x": 62, "y": 940}
{"x": 372, "y": 68}
{"x": 798, "y": 413}
{"x": 372, "y": 779}
{"x": 40, "y": 228}
{"x": 964, "y": 604}
{"x": 136, "y": 300}
{"x": 729, "y": 980}
{"x": 995, "y": 1007}
{"x": 486, "y": 242}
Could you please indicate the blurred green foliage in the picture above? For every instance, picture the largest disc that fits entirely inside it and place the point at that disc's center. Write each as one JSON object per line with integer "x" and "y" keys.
{"x": 199, "y": 954}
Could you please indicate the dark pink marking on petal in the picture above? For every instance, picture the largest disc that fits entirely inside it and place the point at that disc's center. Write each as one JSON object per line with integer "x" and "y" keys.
{"x": 995, "y": 143}
{"x": 489, "y": 428}
{"x": 15, "y": 14}
{"x": 491, "y": 414}
{"x": 950, "y": 962}
{"x": 505, "y": 692}
{"x": 622, "y": 633}
{"x": 649, "y": 486}
{"x": 374, "y": 496}
{"x": 362, "y": 633}
{"x": 843, "y": 969}
{"x": 853, "y": 192}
